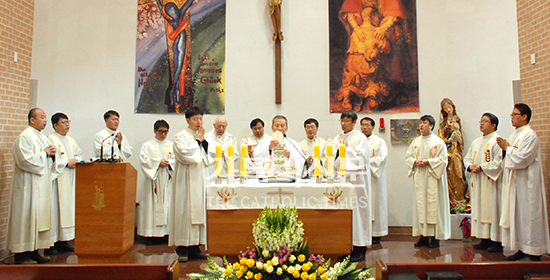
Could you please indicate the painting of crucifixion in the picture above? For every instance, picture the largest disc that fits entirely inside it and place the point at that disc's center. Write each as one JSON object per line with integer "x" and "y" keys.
{"x": 180, "y": 56}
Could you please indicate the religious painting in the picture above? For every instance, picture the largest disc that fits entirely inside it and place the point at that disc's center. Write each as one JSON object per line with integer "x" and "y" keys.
{"x": 373, "y": 56}
{"x": 404, "y": 131}
{"x": 180, "y": 56}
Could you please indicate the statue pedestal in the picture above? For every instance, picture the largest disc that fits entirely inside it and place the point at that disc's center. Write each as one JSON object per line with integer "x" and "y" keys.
{"x": 456, "y": 230}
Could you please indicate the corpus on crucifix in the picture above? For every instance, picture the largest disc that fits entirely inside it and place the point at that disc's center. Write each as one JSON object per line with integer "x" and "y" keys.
{"x": 275, "y": 11}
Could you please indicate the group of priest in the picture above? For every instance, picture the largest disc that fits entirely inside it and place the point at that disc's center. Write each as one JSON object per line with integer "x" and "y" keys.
{"x": 507, "y": 191}
{"x": 508, "y": 200}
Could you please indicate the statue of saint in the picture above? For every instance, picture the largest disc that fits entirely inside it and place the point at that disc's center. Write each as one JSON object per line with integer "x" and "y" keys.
{"x": 450, "y": 132}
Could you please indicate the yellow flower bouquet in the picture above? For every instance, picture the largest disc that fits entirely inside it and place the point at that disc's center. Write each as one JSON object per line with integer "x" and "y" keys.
{"x": 281, "y": 253}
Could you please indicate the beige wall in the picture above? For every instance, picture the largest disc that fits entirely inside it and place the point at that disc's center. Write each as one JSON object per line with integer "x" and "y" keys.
{"x": 16, "y": 34}
{"x": 534, "y": 38}
{"x": 466, "y": 49}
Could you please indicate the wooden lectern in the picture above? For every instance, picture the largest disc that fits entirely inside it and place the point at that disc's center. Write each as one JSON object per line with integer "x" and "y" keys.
{"x": 105, "y": 208}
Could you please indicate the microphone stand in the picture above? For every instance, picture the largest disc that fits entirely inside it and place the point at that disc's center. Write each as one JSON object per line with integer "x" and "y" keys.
{"x": 301, "y": 154}
{"x": 101, "y": 150}
{"x": 113, "y": 151}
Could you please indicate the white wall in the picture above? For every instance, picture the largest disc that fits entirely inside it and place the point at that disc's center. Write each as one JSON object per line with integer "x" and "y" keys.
{"x": 84, "y": 61}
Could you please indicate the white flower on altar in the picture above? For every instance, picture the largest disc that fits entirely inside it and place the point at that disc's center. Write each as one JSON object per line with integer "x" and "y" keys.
{"x": 290, "y": 269}
{"x": 279, "y": 271}
{"x": 292, "y": 258}
{"x": 275, "y": 229}
{"x": 269, "y": 269}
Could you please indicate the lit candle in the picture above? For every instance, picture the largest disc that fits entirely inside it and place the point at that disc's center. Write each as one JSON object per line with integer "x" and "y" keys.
{"x": 218, "y": 170}
{"x": 244, "y": 155}
{"x": 342, "y": 155}
{"x": 231, "y": 160}
{"x": 317, "y": 159}
{"x": 330, "y": 160}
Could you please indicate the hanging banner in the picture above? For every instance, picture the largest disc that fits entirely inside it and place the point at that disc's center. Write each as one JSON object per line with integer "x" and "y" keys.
{"x": 180, "y": 56}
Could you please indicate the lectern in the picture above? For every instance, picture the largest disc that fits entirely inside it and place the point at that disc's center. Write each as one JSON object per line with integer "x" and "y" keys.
{"x": 105, "y": 208}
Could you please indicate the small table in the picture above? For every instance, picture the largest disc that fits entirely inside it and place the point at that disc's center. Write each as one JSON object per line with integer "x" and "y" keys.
{"x": 325, "y": 210}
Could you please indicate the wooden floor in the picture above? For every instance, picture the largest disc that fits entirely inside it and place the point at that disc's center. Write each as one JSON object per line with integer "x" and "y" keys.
{"x": 391, "y": 250}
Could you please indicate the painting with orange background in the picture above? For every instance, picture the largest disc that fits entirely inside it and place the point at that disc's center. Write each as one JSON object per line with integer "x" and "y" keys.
{"x": 373, "y": 56}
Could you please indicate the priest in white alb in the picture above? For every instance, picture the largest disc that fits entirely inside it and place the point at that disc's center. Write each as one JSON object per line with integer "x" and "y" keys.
{"x": 257, "y": 126}
{"x": 378, "y": 155}
{"x": 157, "y": 163}
{"x": 524, "y": 218}
{"x": 30, "y": 217}
{"x": 357, "y": 172}
{"x": 187, "y": 225}
{"x": 63, "y": 195}
{"x": 292, "y": 155}
{"x": 427, "y": 161}
{"x": 484, "y": 174}
{"x": 111, "y": 141}
{"x": 219, "y": 135}
{"x": 311, "y": 127}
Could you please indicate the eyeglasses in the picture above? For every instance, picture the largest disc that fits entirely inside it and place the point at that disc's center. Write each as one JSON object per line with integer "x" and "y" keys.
{"x": 514, "y": 114}
{"x": 65, "y": 122}
{"x": 345, "y": 121}
{"x": 484, "y": 121}
{"x": 162, "y": 131}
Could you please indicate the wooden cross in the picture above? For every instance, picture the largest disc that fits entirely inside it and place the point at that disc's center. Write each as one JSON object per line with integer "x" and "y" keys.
{"x": 278, "y": 71}
{"x": 275, "y": 11}
{"x": 280, "y": 192}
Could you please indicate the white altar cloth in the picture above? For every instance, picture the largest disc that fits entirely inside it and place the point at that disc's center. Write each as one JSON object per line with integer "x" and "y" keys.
{"x": 304, "y": 194}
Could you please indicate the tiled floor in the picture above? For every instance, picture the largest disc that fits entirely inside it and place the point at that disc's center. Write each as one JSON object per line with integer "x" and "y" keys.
{"x": 398, "y": 250}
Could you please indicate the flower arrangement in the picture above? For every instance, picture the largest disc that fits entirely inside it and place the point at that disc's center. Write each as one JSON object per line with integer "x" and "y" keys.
{"x": 275, "y": 229}
{"x": 461, "y": 207}
{"x": 464, "y": 208}
{"x": 466, "y": 226}
{"x": 281, "y": 253}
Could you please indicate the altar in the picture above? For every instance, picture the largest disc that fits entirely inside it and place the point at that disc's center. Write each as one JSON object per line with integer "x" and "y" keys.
{"x": 325, "y": 210}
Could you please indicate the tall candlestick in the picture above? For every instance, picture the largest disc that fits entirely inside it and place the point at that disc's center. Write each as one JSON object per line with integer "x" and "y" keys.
{"x": 244, "y": 155}
{"x": 330, "y": 160}
{"x": 230, "y": 160}
{"x": 218, "y": 162}
{"x": 317, "y": 159}
{"x": 342, "y": 155}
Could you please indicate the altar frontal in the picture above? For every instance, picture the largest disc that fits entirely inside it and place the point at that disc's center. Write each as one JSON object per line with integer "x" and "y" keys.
{"x": 325, "y": 210}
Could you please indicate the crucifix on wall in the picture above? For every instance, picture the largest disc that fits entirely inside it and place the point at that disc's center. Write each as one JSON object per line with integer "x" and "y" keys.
{"x": 275, "y": 11}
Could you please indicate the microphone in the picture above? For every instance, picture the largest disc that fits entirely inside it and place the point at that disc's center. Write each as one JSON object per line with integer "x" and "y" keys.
{"x": 301, "y": 154}
{"x": 101, "y": 150}
{"x": 299, "y": 150}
